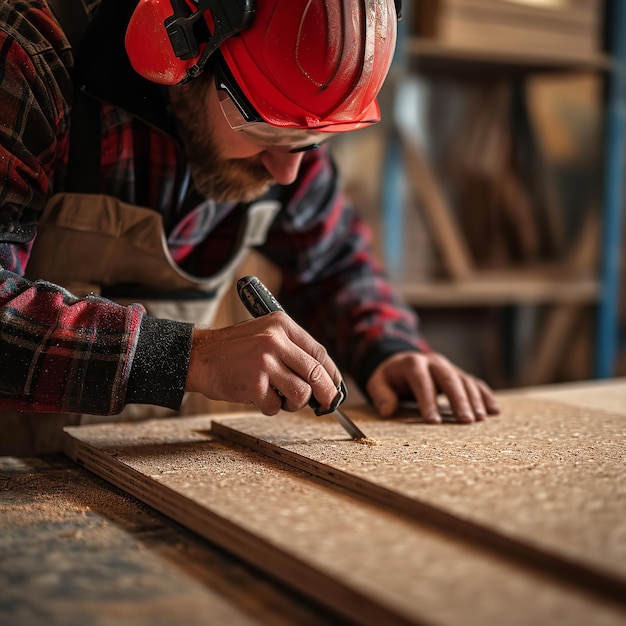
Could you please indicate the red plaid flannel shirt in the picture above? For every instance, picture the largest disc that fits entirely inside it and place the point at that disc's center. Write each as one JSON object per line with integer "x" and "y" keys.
{"x": 63, "y": 353}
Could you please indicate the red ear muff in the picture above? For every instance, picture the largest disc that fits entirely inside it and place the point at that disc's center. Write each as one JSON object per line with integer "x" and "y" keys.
{"x": 148, "y": 44}
{"x": 169, "y": 41}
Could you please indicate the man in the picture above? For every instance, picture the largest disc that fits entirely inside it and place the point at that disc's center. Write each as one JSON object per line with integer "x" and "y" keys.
{"x": 206, "y": 124}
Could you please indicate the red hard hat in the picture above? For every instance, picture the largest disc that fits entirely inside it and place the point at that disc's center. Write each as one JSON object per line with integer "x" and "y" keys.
{"x": 301, "y": 63}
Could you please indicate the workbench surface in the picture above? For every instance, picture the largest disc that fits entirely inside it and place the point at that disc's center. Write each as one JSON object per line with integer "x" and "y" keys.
{"x": 76, "y": 550}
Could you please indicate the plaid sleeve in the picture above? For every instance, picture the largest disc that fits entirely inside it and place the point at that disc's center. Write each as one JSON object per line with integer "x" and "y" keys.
{"x": 85, "y": 355}
{"x": 333, "y": 284}
{"x": 58, "y": 352}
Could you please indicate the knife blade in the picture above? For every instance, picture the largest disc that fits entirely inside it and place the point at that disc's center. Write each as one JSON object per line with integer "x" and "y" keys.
{"x": 258, "y": 299}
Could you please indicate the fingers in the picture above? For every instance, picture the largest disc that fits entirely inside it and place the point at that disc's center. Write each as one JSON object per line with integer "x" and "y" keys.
{"x": 310, "y": 361}
{"x": 293, "y": 390}
{"x": 383, "y": 397}
{"x": 471, "y": 400}
{"x": 294, "y": 367}
{"x": 489, "y": 400}
{"x": 481, "y": 398}
{"x": 269, "y": 362}
{"x": 424, "y": 376}
{"x": 455, "y": 386}
{"x": 475, "y": 399}
{"x": 424, "y": 389}
{"x": 266, "y": 398}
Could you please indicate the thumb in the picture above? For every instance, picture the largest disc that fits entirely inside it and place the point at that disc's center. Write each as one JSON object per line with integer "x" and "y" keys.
{"x": 383, "y": 397}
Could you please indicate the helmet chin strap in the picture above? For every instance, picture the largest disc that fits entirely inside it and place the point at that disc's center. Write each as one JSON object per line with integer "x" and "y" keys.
{"x": 187, "y": 29}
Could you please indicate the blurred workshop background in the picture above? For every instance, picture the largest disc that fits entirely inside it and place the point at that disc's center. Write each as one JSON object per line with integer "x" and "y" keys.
{"x": 495, "y": 183}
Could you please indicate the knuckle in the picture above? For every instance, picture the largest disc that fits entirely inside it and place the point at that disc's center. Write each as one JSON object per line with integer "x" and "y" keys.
{"x": 439, "y": 360}
{"x": 414, "y": 366}
{"x": 316, "y": 373}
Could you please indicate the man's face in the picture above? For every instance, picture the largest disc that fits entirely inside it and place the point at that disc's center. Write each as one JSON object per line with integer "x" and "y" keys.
{"x": 225, "y": 165}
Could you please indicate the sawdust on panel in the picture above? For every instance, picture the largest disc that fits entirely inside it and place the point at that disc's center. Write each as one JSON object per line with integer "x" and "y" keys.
{"x": 76, "y": 551}
{"x": 366, "y": 562}
{"x": 545, "y": 474}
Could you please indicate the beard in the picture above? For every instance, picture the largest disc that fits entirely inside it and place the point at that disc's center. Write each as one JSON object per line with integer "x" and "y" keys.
{"x": 214, "y": 176}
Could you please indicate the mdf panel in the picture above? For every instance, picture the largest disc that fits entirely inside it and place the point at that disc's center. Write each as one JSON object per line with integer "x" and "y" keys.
{"x": 333, "y": 542}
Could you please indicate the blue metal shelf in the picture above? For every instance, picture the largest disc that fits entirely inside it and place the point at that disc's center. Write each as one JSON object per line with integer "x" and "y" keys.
{"x": 615, "y": 136}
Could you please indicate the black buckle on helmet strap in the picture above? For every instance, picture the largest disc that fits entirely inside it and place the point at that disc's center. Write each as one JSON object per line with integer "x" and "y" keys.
{"x": 186, "y": 29}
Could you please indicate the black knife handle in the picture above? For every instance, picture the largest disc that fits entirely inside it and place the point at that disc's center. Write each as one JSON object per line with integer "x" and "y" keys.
{"x": 258, "y": 299}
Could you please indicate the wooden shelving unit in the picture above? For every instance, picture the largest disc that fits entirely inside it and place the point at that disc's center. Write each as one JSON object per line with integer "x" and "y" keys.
{"x": 432, "y": 55}
{"x": 502, "y": 288}
{"x": 573, "y": 281}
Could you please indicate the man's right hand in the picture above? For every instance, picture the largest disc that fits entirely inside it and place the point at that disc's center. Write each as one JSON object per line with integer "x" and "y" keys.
{"x": 269, "y": 362}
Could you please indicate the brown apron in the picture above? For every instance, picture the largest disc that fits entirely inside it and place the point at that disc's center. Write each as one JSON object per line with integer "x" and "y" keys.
{"x": 87, "y": 243}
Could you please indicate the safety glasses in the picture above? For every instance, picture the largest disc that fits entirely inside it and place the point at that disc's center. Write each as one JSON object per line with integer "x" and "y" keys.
{"x": 242, "y": 118}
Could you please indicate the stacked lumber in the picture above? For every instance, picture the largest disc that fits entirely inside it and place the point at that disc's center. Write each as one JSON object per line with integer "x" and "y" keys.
{"x": 549, "y": 27}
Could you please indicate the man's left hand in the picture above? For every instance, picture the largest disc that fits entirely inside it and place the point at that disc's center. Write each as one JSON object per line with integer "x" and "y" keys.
{"x": 423, "y": 376}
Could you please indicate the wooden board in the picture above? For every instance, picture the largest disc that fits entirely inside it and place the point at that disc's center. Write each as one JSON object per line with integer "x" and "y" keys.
{"x": 367, "y": 563}
{"x": 544, "y": 482}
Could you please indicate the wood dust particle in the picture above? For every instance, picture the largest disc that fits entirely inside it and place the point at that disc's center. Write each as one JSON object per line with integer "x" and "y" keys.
{"x": 366, "y": 441}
